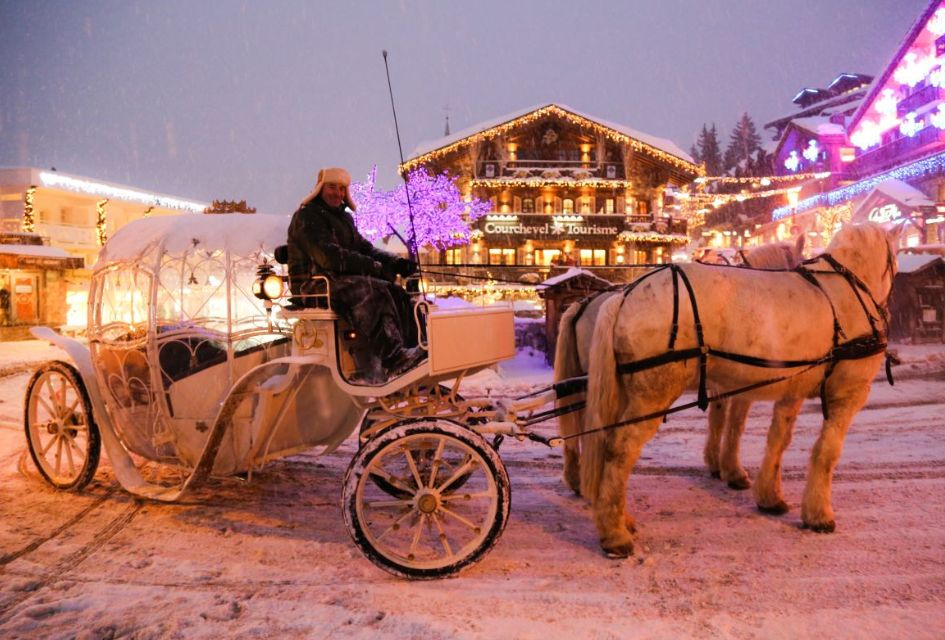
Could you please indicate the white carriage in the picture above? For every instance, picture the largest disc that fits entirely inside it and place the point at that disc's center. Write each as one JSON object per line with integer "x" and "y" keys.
{"x": 193, "y": 368}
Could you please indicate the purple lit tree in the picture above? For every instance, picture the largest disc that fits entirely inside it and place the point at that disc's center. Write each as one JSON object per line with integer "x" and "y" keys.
{"x": 440, "y": 216}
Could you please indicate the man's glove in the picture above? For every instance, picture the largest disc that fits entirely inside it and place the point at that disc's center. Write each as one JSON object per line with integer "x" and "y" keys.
{"x": 405, "y": 267}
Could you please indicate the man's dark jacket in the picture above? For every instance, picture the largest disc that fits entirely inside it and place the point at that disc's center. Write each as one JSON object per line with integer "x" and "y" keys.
{"x": 324, "y": 241}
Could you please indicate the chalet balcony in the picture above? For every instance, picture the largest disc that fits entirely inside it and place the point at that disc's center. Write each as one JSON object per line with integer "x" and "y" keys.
{"x": 918, "y": 99}
{"x": 550, "y": 170}
{"x": 928, "y": 140}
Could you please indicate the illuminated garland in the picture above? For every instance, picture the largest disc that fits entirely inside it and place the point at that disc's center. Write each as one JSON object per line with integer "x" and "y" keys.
{"x": 29, "y": 219}
{"x": 762, "y": 180}
{"x": 833, "y": 218}
{"x": 718, "y": 199}
{"x": 575, "y": 119}
{"x": 101, "y": 221}
{"x": 662, "y": 238}
{"x": 921, "y": 168}
{"x": 96, "y": 188}
{"x": 596, "y": 183}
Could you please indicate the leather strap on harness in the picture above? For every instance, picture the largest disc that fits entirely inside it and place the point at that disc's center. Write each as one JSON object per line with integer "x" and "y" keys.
{"x": 855, "y": 349}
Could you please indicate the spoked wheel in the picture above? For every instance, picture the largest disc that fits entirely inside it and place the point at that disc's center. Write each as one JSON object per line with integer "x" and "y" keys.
{"x": 63, "y": 438}
{"x": 450, "y": 507}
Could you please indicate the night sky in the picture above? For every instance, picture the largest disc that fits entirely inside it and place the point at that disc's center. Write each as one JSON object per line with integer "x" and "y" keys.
{"x": 246, "y": 100}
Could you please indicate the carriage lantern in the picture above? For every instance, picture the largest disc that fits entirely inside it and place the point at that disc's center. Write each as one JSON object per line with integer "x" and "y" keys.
{"x": 268, "y": 285}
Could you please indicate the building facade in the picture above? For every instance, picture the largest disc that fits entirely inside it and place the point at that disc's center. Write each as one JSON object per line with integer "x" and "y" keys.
{"x": 886, "y": 158}
{"x": 52, "y": 226}
{"x": 566, "y": 189}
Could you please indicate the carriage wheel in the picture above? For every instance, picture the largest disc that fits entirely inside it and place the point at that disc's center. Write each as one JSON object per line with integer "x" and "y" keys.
{"x": 63, "y": 438}
{"x": 436, "y": 525}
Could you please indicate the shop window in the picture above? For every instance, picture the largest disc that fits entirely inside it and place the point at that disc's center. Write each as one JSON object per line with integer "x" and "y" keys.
{"x": 528, "y": 205}
{"x": 609, "y": 205}
{"x": 643, "y": 207}
{"x": 587, "y": 204}
{"x": 595, "y": 257}
{"x": 454, "y": 256}
{"x": 567, "y": 205}
{"x": 501, "y": 256}
{"x": 547, "y": 257}
{"x": 640, "y": 257}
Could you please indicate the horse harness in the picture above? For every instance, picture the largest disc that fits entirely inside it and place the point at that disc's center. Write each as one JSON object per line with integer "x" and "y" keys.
{"x": 853, "y": 349}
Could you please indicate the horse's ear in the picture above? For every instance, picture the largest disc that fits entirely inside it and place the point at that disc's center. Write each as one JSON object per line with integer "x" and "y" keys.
{"x": 799, "y": 247}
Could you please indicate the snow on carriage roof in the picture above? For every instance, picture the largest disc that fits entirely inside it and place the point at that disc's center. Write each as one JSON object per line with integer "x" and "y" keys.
{"x": 660, "y": 143}
{"x": 240, "y": 234}
{"x": 912, "y": 262}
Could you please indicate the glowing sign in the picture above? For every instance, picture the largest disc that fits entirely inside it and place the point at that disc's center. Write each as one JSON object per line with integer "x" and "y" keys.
{"x": 885, "y": 213}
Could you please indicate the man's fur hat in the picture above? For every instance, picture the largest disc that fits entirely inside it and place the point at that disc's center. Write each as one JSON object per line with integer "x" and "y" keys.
{"x": 336, "y": 175}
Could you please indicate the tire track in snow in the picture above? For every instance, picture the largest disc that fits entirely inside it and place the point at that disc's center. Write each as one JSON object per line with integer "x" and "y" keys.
{"x": 68, "y": 524}
{"x": 67, "y": 564}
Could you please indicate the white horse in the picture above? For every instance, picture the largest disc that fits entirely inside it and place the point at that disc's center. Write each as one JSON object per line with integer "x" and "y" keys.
{"x": 726, "y": 417}
{"x": 828, "y": 336}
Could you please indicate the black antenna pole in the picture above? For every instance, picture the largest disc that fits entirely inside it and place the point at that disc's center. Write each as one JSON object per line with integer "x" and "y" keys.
{"x": 412, "y": 247}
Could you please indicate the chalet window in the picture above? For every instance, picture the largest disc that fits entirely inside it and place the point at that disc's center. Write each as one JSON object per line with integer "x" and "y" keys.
{"x": 643, "y": 207}
{"x": 609, "y": 205}
{"x": 596, "y": 257}
{"x": 545, "y": 257}
{"x": 587, "y": 204}
{"x": 567, "y": 205}
{"x": 454, "y": 256}
{"x": 490, "y": 170}
{"x": 516, "y": 204}
{"x": 501, "y": 256}
{"x": 611, "y": 171}
{"x": 528, "y": 205}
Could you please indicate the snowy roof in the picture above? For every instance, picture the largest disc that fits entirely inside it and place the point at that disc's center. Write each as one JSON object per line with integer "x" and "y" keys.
{"x": 904, "y": 193}
{"x": 573, "y": 272}
{"x": 660, "y": 143}
{"x": 818, "y": 125}
{"x": 35, "y": 250}
{"x": 912, "y": 262}
{"x": 239, "y": 234}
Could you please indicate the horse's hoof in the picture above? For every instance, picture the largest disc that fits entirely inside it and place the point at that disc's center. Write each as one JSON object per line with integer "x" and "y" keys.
{"x": 740, "y": 484}
{"x": 619, "y": 552}
{"x": 821, "y": 527}
{"x": 630, "y": 523}
{"x": 777, "y": 509}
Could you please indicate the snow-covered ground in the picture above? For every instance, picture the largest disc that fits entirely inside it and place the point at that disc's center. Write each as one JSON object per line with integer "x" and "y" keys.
{"x": 272, "y": 558}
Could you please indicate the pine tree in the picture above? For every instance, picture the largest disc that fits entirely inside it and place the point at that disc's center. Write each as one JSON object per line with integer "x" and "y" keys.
{"x": 696, "y": 156}
{"x": 742, "y": 145}
{"x": 710, "y": 150}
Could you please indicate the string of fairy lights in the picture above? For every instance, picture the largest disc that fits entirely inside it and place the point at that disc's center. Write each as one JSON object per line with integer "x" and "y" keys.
{"x": 533, "y": 183}
{"x": 101, "y": 221}
{"x": 29, "y": 216}
{"x": 573, "y": 118}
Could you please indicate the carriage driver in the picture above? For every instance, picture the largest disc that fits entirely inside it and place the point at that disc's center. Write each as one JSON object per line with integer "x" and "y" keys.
{"x": 323, "y": 240}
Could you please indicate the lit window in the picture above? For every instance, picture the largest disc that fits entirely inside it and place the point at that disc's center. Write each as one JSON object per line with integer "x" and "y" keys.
{"x": 609, "y": 205}
{"x": 567, "y": 205}
{"x": 528, "y": 205}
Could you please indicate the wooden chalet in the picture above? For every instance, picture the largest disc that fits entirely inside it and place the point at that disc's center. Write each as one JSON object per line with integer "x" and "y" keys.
{"x": 566, "y": 189}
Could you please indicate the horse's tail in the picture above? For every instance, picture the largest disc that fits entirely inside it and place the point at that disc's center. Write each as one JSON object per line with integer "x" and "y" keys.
{"x": 568, "y": 365}
{"x": 603, "y": 388}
